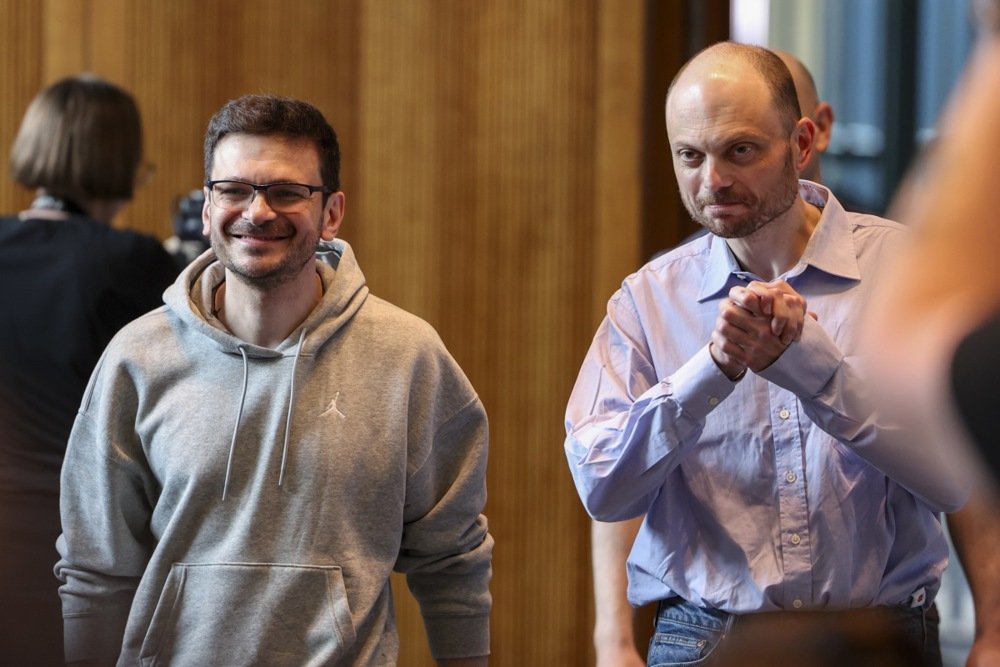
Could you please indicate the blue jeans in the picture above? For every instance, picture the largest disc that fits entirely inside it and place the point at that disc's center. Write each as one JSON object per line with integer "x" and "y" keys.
{"x": 685, "y": 634}
{"x": 690, "y": 636}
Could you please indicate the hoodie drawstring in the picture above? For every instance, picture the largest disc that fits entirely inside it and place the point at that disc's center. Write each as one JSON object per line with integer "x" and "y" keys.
{"x": 291, "y": 404}
{"x": 288, "y": 415}
{"x": 239, "y": 418}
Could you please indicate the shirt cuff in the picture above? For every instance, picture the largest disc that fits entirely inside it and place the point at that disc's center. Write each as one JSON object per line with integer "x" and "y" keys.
{"x": 807, "y": 365}
{"x": 699, "y": 386}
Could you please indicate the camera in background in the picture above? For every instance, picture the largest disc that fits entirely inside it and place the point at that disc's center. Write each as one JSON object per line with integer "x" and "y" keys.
{"x": 187, "y": 242}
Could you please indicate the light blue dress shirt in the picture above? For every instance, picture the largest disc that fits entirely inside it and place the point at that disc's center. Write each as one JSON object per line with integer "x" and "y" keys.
{"x": 780, "y": 491}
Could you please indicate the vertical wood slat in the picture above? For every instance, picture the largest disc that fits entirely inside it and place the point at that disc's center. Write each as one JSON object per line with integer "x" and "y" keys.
{"x": 492, "y": 164}
{"x": 21, "y": 73}
{"x": 64, "y": 38}
{"x": 621, "y": 74}
{"x": 109, "y": 42}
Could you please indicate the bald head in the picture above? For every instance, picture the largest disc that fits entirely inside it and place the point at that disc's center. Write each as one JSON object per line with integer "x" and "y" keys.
{"x": 733, "y": 62}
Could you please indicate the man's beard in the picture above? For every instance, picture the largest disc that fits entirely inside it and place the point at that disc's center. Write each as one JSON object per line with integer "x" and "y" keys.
{"x": 271, "y": 275}
{"x": 759, "y": 211}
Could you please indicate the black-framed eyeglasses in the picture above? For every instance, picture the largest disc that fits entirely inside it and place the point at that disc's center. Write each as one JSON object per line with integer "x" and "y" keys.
{"x": 281, "y": 197}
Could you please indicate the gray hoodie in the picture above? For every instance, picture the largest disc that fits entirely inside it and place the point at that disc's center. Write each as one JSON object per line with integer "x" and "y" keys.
{"x": 228, "y": 504}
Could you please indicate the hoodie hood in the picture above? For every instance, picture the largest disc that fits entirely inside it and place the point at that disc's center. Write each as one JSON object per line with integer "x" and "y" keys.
{"x": 344, "y": 291}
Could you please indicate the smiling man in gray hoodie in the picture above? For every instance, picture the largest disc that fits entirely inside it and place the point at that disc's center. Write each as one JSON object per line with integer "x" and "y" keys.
{"x": 252, "y": 460}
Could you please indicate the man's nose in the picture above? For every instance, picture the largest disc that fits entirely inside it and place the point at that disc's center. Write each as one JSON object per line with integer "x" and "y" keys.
{"x": 259, "y": 210}
{"x": 716, "y": 174}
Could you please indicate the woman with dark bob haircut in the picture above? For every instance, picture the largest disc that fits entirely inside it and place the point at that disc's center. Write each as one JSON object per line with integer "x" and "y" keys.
{"x": 71, "y": 281}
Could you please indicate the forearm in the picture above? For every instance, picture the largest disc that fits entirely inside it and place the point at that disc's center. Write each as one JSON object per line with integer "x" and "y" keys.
{"x": 614, "y": 637}
{"x": 622, "y": 440}
{"x": 610, "y": 546}
{"x": 975, "y": 532}
{"x": 946, "y": 202}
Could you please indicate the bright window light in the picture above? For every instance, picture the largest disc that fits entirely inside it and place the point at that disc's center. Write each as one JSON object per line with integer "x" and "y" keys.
{"x": 748, "y": 21}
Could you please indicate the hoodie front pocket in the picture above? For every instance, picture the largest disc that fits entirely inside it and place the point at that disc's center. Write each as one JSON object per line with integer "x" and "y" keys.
{"x": 249, "y": 614}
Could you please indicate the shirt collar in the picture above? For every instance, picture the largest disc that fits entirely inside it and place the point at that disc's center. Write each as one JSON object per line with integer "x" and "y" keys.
{"x": 830, "y": 249}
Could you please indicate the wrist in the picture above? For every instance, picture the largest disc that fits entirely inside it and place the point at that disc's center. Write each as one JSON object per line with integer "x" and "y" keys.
{"x": 615, "y": 637}
{"x": 733, "y": 371}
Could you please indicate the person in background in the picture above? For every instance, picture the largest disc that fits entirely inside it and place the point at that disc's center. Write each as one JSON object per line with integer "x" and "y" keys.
{"x": 241, "y": 494}
{"x": 71, "y": 281}
{"x": 819, "y": 111}
{"x": 722, "y": 397}
{"x": 975, "y": 529}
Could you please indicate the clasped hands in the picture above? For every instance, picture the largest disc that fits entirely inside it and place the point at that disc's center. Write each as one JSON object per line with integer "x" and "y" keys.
{"x": 756, "y": 324}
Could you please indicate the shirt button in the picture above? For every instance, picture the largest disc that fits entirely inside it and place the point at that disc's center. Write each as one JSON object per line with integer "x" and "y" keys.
{"x": 797, "y": 603}
{"x": 790, "y": 477}
{"x": 795, "y": 539}
{"x": 713, "y": 400}
{"x": 784, "y": 413}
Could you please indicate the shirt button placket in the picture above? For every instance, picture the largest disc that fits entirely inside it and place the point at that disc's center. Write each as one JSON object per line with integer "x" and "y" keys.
{"x": 789, "y": 452}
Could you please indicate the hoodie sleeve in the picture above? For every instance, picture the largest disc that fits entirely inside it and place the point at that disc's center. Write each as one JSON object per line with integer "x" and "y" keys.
{"x": 446, "y": 551}
{"x": 105, "y": 499}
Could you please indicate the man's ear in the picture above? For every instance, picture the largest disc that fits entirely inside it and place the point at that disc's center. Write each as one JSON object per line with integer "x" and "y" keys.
{"x": 823, "y": 118}
{"x": 333, "y": 215}
{"x": 804, "y": 138}
{"x": 206, "y": 219}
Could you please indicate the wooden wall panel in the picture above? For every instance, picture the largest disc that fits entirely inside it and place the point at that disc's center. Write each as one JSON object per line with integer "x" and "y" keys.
{"x": 480, "y": 128}
{"x": 65, "y": 37}
{"x": 494, "y": 178}
{"x": 20, "y": 75}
